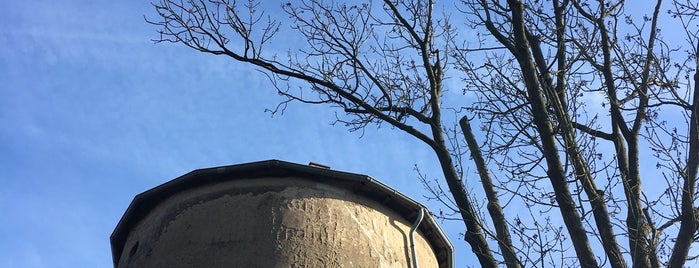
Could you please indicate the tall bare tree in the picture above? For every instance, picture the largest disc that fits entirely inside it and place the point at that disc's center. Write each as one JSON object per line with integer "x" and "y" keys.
{"x": 573, "y": 98}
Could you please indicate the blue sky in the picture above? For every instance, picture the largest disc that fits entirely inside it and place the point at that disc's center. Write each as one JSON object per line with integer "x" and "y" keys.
{"x": 93, "y": 113}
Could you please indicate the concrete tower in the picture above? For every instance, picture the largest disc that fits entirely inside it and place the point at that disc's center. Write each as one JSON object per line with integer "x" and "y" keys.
{"x": 277, "y": 214}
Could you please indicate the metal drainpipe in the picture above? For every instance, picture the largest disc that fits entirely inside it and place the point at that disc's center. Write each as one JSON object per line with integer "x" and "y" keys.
{"x": 420, "y": 214}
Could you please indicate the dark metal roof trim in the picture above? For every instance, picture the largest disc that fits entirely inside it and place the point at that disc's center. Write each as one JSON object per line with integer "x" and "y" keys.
{"x": 367, "y": 186}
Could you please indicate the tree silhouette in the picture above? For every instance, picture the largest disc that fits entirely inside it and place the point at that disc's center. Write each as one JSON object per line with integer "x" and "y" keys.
{"x": 573, "y": 99}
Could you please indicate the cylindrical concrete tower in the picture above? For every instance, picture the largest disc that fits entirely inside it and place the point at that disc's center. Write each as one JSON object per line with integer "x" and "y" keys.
{"x": 276, "y": 214}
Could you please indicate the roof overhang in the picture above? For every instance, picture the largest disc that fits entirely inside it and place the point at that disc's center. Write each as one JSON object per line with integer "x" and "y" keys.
{"x": 362, "y": 185}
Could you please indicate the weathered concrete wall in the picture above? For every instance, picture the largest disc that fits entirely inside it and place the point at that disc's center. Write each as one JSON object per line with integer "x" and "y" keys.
{"x": 272, "y": 222}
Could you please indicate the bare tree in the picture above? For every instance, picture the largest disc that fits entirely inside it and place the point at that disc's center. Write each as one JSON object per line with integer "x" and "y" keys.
{"x": 568, "y": 95}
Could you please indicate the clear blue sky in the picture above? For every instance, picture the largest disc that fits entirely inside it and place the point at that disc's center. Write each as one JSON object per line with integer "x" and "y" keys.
{"x": 93, "y": 113}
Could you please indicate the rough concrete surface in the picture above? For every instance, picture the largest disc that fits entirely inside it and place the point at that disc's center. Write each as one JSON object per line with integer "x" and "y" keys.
{"x": 272, "y": 222}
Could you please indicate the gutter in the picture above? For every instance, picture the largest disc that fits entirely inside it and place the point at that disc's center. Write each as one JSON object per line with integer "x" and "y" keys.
{"x": 420, "y": 214}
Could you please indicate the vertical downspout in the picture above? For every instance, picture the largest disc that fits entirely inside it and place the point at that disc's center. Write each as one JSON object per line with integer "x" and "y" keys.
{"x": 420, "y": 214}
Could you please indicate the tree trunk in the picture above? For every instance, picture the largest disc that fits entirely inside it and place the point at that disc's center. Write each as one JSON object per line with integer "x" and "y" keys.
{"x": 688, "y": 224}
{"x": 474, "y": 233}
{"x": 494, "y": 208}
{"x": 555, "y": 172}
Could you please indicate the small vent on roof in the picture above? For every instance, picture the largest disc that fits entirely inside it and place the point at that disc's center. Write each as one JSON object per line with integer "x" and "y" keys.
{"x": 317, "y": 165}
